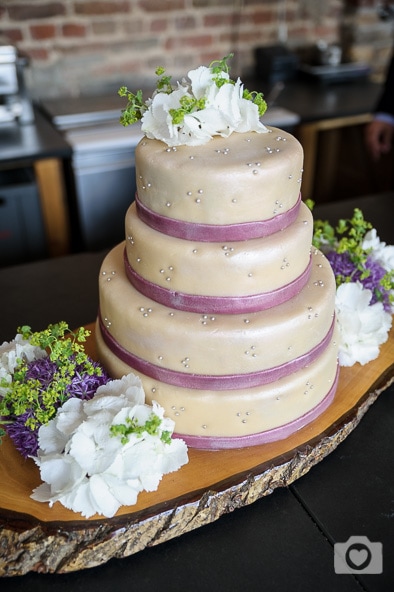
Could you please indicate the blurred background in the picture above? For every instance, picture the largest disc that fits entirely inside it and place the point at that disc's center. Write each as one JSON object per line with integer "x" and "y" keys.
{"x": 82, "y": 47}
{"x": 66, "y": 164}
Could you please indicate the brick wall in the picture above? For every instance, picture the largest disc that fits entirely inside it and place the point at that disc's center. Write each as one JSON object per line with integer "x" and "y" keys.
{"x": 366, "y": 36}
{"x": 83, "y": 46}
{"x": 87, "y": 46}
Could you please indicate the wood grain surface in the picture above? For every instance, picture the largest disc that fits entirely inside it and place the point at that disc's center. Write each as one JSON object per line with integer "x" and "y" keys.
{"x": 35, "y": 537}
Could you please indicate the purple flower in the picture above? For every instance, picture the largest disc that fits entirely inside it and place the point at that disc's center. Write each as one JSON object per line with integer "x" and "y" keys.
{"x": 372, "y": 282}
{"x": 42, "y": 369}
{"x": 343, "y": 266}
{"x": 81, "y": 385}
{"x": 24, "y": 438}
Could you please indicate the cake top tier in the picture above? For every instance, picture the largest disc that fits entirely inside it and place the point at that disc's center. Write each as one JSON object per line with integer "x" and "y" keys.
{"x": 243, "y": 178}
{"x": 206, "y": 104}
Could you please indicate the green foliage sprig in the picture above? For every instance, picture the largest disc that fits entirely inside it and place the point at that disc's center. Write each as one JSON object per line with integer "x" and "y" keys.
{"x": 135, "y": 107}
{"x": 256, "y": 98}
{"x": 40, "y": 398}
{"x": 347, "y": 237}
{"x": 151, "y": 427}
{"x": 188, "y": 105}
{"x": 218, "y": 67}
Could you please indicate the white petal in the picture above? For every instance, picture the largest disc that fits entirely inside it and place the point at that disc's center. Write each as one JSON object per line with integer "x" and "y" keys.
{"x": 201, "y": 80}
{"x": 104, "y": 501}
{"x": 174, "y": 456}
{"x": 362, "y": 327}
{"x": 50, "y": 439}
{"x": 82, "y": 449}
{"x": 129, "y": 385}
{"x": 79, "y": 499}
{"x": 42, "y": 493}
{"x": 18, "y": 349}
{"x": 70, "y": 415}
{"x": 125, "y": 492}
{"x": 151, "y": 481}
{"x": 103, "y": 402}
{"x": 60, "y": 472}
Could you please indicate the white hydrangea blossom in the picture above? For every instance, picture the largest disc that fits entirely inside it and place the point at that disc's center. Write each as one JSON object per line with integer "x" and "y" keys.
{"x": 380, "y": 251}
{"x": 225, "y": 111}
{"x": 12, "y": 352}
{"x": 89, "y": 470}
{"x": 363, "y": 327}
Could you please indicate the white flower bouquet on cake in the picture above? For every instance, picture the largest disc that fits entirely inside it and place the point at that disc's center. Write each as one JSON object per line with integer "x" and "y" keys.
{"x": 191, "y": 112}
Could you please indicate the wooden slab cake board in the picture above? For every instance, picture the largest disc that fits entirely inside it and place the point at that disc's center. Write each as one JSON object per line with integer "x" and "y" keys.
{"x": 35, "y": 537}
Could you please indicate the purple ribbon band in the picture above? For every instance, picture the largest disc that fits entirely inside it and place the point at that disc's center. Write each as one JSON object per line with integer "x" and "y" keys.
{"x": 213, "y": 382}
{"x": 279, "y": 433}
{"x": 216, "y": 232}
{"x": 216, "y": 304}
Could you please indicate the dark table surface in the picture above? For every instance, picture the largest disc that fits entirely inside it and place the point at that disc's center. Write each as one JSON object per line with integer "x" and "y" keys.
{"x": 284, "y": 541}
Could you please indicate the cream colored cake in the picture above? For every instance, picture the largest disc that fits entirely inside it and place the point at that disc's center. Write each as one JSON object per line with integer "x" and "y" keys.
{"x": 226, "y": 268}
{"x": 216, "y": 298}
{"x": 243, "y": 178}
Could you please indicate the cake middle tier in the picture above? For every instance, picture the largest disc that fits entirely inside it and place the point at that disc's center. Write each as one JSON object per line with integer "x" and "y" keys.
{"x": 225, "y": 350}
{"x": 262, "y": 272}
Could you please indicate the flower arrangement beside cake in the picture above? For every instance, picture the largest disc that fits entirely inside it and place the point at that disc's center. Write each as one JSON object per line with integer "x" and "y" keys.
{"x": 224, "y": 315}
{"x": 95, "y": 440}
{"x": 364, "y": 272}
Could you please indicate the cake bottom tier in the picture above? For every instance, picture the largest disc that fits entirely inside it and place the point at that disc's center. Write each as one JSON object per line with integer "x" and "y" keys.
{"x": 210, "y": 419}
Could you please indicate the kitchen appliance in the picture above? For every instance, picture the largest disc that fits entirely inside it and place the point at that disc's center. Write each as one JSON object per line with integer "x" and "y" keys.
{"x": 275, "y": 63}
{"x": 334, "y": 74}
{"x": 101, "y": 173}
{"x": 22, "y": 233}
{"x": 15, "y": 104}
{"x": 103, "y": 167}
{"x": 323, "y": 63}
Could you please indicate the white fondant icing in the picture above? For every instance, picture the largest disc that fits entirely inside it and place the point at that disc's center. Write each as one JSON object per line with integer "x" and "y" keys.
{"x": 233, "y": 269}
{"x": 169, "y": 182}
{"x": 243, "y": 178}
{"x": 217, "y": 347}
